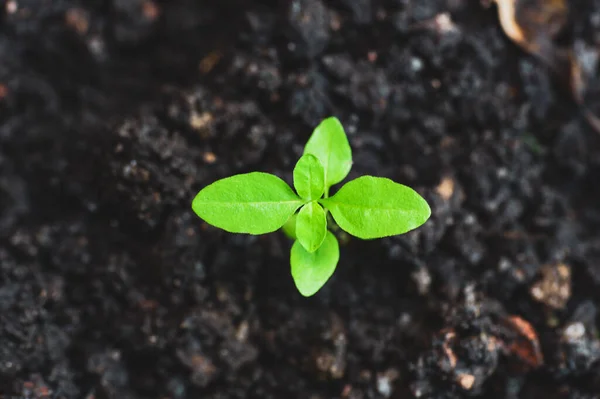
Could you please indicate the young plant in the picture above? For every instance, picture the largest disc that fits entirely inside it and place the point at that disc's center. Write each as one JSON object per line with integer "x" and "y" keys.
{"x": 367, "y": 207}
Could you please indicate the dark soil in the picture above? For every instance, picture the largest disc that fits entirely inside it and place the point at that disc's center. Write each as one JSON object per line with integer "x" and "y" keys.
{"x": 115, "y": 113}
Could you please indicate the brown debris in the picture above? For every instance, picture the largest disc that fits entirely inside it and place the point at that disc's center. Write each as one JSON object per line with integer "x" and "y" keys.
{"x": 36, "y": 389}
{"x": 77, "y": 19}
{"x": 3, "y": 91}
{"x": 346, "y": 391}
{"x": 150, "y": 10}
{"x": 533, "y": 24}
{"x": 449, "y": 336}
{"x": 526, "y": 345}
{"x": 455, "y": 362}
{"x": 554, "y": 288}
{"x": 209, "y": 62}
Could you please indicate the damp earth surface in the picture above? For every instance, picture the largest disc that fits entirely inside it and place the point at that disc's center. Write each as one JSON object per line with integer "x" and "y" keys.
{"x": 113, "y": 114}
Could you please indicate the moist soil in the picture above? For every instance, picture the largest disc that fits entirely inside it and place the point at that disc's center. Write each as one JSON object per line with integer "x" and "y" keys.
{"x": 115, "y": 113}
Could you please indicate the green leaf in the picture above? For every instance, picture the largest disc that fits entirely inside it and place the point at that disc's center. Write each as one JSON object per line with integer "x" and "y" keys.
{"x": 309, "y": 177}
{"x": 375, "y": 207}
{"x": 252, "y": 203}
{"x": 311, "y": 226}
{"x": 329, "y": 143}
{"x": 312, "y": 270}
{"x": 289, "y": 228}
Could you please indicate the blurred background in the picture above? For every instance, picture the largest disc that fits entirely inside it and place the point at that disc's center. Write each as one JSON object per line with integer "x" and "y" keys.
{"x": 114, "y": 113}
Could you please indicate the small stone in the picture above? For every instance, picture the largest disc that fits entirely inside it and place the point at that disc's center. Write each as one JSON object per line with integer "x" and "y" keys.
{"x": 466, "y": 381}
{"x": 554, "y": 288}
{"x": 385, "y": 381}
{"x": 200, "y": 121}
{"x": 446, "y": 188}
{"x": 210, "y": 157}
{"x": 11, "y": 7}
{"x": 574, "y": 331}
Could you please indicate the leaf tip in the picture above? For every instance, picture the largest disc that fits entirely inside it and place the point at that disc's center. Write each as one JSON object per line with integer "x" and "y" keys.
{"x": 425, "y": 209}
{"x": 311, "y": 271}
{"x": 196, "y": 207}
{"x": 307, "y": 292}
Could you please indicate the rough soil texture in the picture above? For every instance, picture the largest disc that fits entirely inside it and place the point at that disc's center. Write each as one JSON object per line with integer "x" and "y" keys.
{"x": 115, "y": 113}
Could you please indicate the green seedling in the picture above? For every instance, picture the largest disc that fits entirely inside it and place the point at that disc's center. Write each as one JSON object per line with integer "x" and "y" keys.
{"x": 367, "y": 207}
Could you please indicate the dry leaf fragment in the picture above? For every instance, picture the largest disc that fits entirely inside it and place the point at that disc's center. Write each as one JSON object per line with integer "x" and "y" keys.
{"x": 525, "y": 345}
{"x": 210, "y": 61}
{"x": 533, "y": 25}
